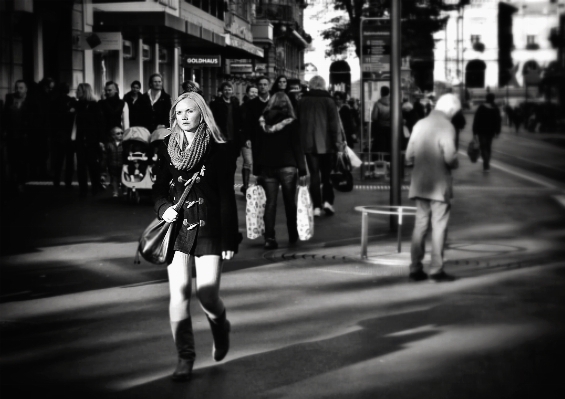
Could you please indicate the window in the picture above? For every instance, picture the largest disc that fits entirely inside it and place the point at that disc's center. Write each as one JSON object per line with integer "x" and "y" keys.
{"x": 531, "y": 42}
{"x": 475, "y": 39}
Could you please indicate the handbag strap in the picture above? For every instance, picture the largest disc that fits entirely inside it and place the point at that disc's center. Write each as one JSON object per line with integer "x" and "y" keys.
{"x": 186, "y": 191}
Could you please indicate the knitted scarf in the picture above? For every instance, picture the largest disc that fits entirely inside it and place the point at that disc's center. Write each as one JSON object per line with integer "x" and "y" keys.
{"x": 186, "y": 158}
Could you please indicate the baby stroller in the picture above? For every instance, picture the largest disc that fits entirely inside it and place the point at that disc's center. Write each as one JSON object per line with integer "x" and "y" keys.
{"x": 156, "y": 137}
{"x": 137, "y": 158}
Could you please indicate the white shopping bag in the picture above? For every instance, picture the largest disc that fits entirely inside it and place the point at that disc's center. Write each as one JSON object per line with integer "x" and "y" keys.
{"x": 254, "y": 211}
{"x": 354, "y": 159}
{"x": 304, "y": 214}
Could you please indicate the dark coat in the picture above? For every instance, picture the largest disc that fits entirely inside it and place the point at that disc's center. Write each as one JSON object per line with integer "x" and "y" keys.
{"x": 217, "y": 212}
{"x": 487, "y": 122}
{"x": 279, "y": 149}
{"x": 161, "y": 109}
{"x": 65, "y": 112}
{"x": 17, "y": 127}
{"x": 139, "y": 111}
{"x": 90, "y": 123}
{"x": 319, "y": 123}
{"x": 253, "y": 110}
{"x": 220, "y": 111}
{"x": 112, "y": 108}
{"x": 348, "y": 122}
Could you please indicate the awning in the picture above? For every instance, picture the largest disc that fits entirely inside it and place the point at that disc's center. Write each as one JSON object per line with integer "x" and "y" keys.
{"x": 237, "y": 48}
{"x": 159, "y": 27}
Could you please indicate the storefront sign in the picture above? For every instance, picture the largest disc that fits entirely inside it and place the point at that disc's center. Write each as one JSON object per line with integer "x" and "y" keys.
{"x": 99, "y": 40}
{"x": 242, "y": 44}
{"x": 213, "y": 61}
{"x": 241, "y": 68}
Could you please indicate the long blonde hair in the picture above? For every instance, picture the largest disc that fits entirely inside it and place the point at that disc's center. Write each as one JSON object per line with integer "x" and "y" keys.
{"x": 206, "y": 113}
{"x": 87, "y": 94}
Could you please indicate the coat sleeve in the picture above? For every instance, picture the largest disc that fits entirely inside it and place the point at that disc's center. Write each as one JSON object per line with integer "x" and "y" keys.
{"x": 447, "y": 144}
{"x": 410, "y": 152}
{"x": 161, "y": 186}
{"x": 228, "y": 208}
{"x": 334, "y": 125}
{"x": 296, "y": 143}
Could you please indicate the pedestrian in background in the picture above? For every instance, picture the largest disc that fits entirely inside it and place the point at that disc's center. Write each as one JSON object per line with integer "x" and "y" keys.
{"x": 431, "y": 150}
{"x": 160, "y": 102}
{"x": 252, "y": 111}
{"x": 279, "y": 161}
{"x": 486, "y": 126}
{"x": 380, "y": 129}
{"x": 190, "y": 85}
{"x": 61, "y": 146}
{"x": 40, "y": 139}
{"x": 17, "y": 118}
{"x": 139, "y": 106}
{"x": 88, "y": 136}
{"x": 115, "y": 110}
{"x": 114, "y": 159}
{"x": 228, "y": 119}
{"x": 251, "y": 92}
{"x": 321, "y": 139}
{"x": 281, "y": 84}
{"x": 208, "y": 233}
{"x": 347, "y": 118}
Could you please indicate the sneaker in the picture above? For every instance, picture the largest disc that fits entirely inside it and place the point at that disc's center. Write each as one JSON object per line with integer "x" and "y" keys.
{"x": 115, "y": 194}
{"x": 271, "y": 243}
{"x": 329, "y": 209}
{"x": 317, "y": 212}
{"x": 420, "y": 275}
{"x": 442, "y": 277}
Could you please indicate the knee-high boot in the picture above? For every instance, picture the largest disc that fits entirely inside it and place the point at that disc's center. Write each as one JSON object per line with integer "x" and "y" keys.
{"x": 184, "y": 341}
{"x": 245, "y": 174}
{"x": 221, "y": 332}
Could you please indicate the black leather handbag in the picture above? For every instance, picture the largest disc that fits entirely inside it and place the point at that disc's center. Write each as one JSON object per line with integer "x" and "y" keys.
{"x": 341, "y": 177}
{"x": 156, "y": 242}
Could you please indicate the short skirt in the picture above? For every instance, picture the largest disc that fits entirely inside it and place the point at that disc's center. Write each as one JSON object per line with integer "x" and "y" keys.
{"x": 201, "y": 246}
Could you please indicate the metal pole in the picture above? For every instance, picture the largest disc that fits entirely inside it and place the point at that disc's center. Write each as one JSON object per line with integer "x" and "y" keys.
{"x": 362, "y": 102}
{"x": 396, "y": 116}
{"x": 364, "y": 234}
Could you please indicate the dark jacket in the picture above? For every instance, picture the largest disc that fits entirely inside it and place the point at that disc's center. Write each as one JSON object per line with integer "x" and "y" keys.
{"x": 161, "y": 109}
{"x": 90, "y": 123}
{"x": 220, "y": 111}
{"x": 252, "y": 111}
{"x": 279, "y": 149}
{"x": 217, "y": 208}
{"x": 348, "y": 122}
{"x": 17, "y": 125}
{"x": 112, "y": 108}
{"x": 319, "y": 123}
{"x": 64, "y": 111}
{"x": 487, "y": 121}
{"x": 139, "y": 111}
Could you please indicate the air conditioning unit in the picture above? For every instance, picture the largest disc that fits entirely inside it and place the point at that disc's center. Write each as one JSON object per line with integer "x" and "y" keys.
{"x": 127, "y": 50}
{"x": 146, "y": 53}
{"x": 163, "y": 56}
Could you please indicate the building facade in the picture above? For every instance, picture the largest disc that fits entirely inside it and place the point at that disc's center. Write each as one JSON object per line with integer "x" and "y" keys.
{"x": 94, "y": 41}
{"x": 493, "y": 44}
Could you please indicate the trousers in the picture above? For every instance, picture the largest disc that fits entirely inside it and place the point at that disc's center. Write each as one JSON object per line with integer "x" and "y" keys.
{"x": 435, "y": 213}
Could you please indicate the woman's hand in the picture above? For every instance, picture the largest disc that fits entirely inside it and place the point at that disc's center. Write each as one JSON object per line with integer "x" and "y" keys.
{"x": 227, "y": 255}
{"x": 170, "y": 215}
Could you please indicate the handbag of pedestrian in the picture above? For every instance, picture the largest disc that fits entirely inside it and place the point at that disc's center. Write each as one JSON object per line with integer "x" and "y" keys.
{"x": 341, "y": 177}
{"x": 156, "y": 242}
